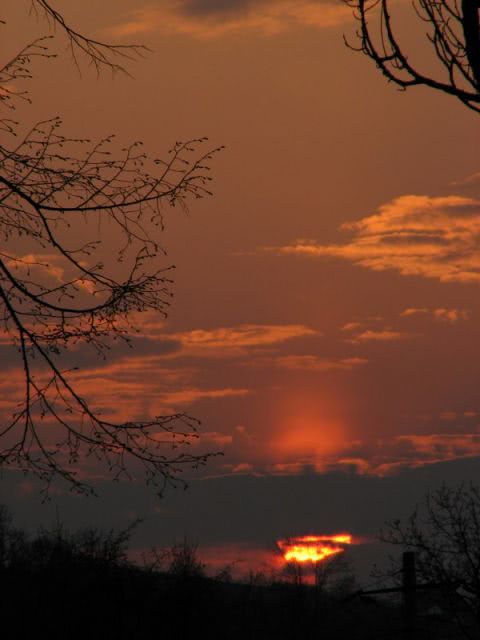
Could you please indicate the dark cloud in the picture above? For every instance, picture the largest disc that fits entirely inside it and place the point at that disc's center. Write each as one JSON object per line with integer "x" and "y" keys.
{"x": 211, "y": 8}
{"x": 216, "y": 18}
{"x": 85, "y": 356}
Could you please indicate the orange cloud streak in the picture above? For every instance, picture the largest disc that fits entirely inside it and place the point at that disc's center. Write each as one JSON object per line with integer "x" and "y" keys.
{"x": 240, "y": 338}
{"x": 314, "y": 363}
{"x": 449, "y": 315}
{"x": 414, "y": 235}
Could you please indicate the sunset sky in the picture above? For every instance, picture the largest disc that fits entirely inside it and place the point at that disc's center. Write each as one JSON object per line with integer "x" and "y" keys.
{"x": 326, "y": 321}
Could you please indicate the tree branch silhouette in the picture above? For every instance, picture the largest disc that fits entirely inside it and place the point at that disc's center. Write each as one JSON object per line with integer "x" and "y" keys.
{"x": 453, "y": 33}
{"x": 57, "y": 292}
{"x": 444, "y": 533}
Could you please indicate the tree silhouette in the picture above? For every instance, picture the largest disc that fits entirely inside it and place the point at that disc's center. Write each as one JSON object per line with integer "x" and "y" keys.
{"x": 184, "y": 561}
{"x": 444, "y": 533}
{"x": 58, "y": 290}
{"x": 453, "y": 33}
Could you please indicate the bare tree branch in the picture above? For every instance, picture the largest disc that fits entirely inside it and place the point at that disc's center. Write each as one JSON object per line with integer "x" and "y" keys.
{"x": 99, "y": 55}
{"x": 61, "y": 293}
{"x": 453, "y": 32}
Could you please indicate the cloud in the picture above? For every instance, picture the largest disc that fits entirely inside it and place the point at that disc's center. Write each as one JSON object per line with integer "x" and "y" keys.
{"x": 47, "y": 267}
{"x": 220, "y": 439}
{"x": 324, "y": 446}
{"x": 214, "y": 7}
{"x": 351, "y": 326}
{"x": 415, "y": 450}
{"x": 128, "y": 388}
{"x": 217, "y": 18}
{"x": 413, "y": 311}
{"x": 414, "y": 235}
{"x": 443, "y": 314}
{"x": 471, "y": 179}
{"x": 450, "y": 315}
{"x": 381, "y": 335}
{"x": 188, "y": 396}
{"x": 443, "y": 446}
{"x": 146, "y": 377}
{"x": 240, "y": 338}
{"x": 314, "y": 363}
{"x": 393, "y": 455}
{"x": 43, "y": 266}
{"x": 137, "y": 387}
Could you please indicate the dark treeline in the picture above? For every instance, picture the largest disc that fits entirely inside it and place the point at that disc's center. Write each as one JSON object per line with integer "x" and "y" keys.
{"x": 65, "y": 585}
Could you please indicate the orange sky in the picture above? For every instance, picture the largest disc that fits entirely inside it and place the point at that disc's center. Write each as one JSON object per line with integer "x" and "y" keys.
{"x": 326, "y": 311}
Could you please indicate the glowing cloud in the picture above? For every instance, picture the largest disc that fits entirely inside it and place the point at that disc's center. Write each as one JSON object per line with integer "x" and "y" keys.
{"x": 383, "y": 335}
{"x": 448, "y": 315}
{"x": 240, "y": 337}
{"x": 414, "y": 235}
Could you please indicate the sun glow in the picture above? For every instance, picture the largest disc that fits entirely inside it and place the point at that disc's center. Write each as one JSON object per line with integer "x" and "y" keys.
{"x": 312, "y": 548}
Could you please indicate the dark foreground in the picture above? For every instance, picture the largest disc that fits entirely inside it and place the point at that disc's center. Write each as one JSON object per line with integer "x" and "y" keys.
{"x": 64, "y": 586}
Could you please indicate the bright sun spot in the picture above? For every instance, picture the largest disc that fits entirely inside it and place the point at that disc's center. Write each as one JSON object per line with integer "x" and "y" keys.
{"x": 313, "y": 548}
